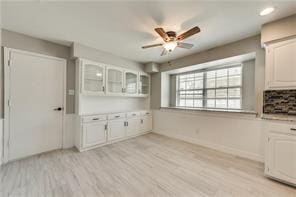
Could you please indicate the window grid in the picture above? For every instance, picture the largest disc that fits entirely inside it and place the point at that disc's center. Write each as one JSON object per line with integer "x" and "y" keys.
{"x": 198, "y": 97}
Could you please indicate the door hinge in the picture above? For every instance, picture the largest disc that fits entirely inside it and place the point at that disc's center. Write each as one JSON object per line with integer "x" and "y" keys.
{"x": 9, "y": 62}
{"x": 106, "y": 126}
{"x": 9, "y": 103}
{"x": 268, "y": 138}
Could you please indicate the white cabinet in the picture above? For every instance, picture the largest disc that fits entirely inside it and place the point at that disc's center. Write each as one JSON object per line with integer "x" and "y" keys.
{"x": 114, "y": 80}
{"x": 92, "y": 78}
{"x": 281, "y": 65}
{"x": 130, "y": 83}
{"x": 146, "y": 123}
{"x": 133, "y": 123}
{"x": 144, "y": 84}
{"x": 280, "y": 154}
{"x": 94, "y": 133}
{"x": 97, "y": 130}
{"x": 116, "y": 126}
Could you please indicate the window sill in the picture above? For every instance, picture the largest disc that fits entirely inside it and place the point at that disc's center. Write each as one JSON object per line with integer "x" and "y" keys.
{"x": 212, "y": 110}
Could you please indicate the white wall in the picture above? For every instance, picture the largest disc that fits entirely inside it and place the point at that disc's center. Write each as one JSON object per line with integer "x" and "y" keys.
{"x": 237, "y": 134}
{"x": 102, "y": 104}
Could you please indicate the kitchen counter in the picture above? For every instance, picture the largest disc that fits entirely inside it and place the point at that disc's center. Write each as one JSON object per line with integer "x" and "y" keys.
{"x": 279, "y": 117}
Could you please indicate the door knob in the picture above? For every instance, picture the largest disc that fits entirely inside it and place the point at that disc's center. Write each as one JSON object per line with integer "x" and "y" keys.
{"x": 58, "y": 109}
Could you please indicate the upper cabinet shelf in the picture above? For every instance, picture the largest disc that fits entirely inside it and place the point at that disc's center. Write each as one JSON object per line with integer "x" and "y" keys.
{"x": 106, "y": 80}
{"x": 281, "y": 65}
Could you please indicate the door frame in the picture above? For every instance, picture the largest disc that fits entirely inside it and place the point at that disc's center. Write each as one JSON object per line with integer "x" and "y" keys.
{"x": 7, "y": 64}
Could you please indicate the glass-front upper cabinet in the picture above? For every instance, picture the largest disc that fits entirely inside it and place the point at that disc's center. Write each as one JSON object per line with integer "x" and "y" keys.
{"x": 93, "y": 78}
{"x": 131, "y": 82}
{"x": 144, "y": 84}
{"x": 114, "y": 80}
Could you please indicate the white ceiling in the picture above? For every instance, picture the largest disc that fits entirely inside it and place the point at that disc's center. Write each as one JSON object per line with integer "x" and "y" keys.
{"x": 122, "y": 28}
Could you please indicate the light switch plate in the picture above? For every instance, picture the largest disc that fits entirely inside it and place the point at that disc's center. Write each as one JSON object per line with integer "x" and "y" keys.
{"x": 71, "y": 92}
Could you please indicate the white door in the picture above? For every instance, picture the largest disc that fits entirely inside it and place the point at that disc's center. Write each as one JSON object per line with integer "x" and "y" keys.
{"x": 133, "y": 126}
{"x": 116, "y": 129}
{"x": 36, "y": 86}
{"x": 94, "y": 133}
{"x": 281, "y": 161}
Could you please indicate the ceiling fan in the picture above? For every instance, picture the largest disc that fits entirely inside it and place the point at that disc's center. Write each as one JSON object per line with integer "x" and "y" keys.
{"x": 171, "y": 40}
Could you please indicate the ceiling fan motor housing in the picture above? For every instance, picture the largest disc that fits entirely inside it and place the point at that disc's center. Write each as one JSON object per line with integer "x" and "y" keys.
{"x": 172, "y": 35}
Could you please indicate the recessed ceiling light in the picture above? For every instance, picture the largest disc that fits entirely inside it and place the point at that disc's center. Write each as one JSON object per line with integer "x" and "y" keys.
{"x": 266, "y": 11}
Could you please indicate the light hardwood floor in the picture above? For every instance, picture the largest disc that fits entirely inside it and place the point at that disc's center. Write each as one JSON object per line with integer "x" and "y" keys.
{"x": 149, "y": 165}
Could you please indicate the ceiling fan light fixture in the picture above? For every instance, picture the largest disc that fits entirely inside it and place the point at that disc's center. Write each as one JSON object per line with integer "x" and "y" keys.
{"x": 170, "y": 46}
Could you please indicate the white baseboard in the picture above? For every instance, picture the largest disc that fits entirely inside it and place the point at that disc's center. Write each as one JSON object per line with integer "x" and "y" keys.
{"x": 222, "y": 148}
{"x": 1, "y": 141}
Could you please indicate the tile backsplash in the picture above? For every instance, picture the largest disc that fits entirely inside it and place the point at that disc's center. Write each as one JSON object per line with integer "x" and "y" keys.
{"x": 280, "y": 102}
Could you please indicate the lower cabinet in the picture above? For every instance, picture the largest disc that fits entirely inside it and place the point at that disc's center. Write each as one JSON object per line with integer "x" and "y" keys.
{"x": 146, "y": 123}
{"x": 96, "y": 130}
{"x": 133, "y": 126}
{"x": 280, "y": 155}
{"x": 94, "y": 133}
{"x": 116, "y": 129}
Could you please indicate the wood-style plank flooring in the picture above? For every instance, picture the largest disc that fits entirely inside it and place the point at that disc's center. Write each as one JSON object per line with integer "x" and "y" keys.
{"x": 149, "y": 165}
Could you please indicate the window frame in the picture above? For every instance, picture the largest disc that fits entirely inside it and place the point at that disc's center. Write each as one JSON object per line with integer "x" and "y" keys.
{"x": 204, "y": 89}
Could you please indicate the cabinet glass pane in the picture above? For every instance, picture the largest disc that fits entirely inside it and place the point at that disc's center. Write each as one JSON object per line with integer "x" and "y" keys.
{"x": 114, "y": 81}
{"x": 131, "y": 83}
{"x": 93, "y": 78}
{"x": 144, "y": 84}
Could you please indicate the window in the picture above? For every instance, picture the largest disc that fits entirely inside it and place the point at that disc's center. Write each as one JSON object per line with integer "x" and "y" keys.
{"x": 219, "y": 88}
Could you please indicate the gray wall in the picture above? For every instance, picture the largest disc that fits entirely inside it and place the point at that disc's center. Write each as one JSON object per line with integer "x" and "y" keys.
{"x": 248, "y": 45}
{"x": 279, "y": 29}
{"x": 20, "y": 41}
{"x": 82, "y": 51}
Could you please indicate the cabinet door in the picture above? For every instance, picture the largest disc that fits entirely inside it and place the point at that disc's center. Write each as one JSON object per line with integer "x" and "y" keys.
{"x": 134, "y": 126}
{"x": 144, "y": 84}
{"x": 281, "y": 65}
{"x": 146, "y": 123}
{"x": 93, "y": 78}
{"x": 131, "y": 83}
{"x": 114, "y": 81}
{"x": 94, "y": 133}
{"x": 281, "y": 157}
{"x": 116, "y": 129}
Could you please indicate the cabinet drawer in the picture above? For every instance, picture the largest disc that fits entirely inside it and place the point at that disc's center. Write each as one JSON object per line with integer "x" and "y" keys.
{"x": 145, "y": 113}
{"x": 116, "y": 116}
{"x": 94, "y": 118}
{"x": 132, "y": 114}
{"x": 284, "y": 128}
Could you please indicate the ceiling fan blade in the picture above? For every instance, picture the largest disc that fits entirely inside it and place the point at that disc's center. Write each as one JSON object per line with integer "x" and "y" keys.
{"x": 184, "y": 45}
{"x": 188, "y": 33}
{"x": 152, "y": 45}
{"x": 164, "y": 52}
{"x": 162, "y": 33}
